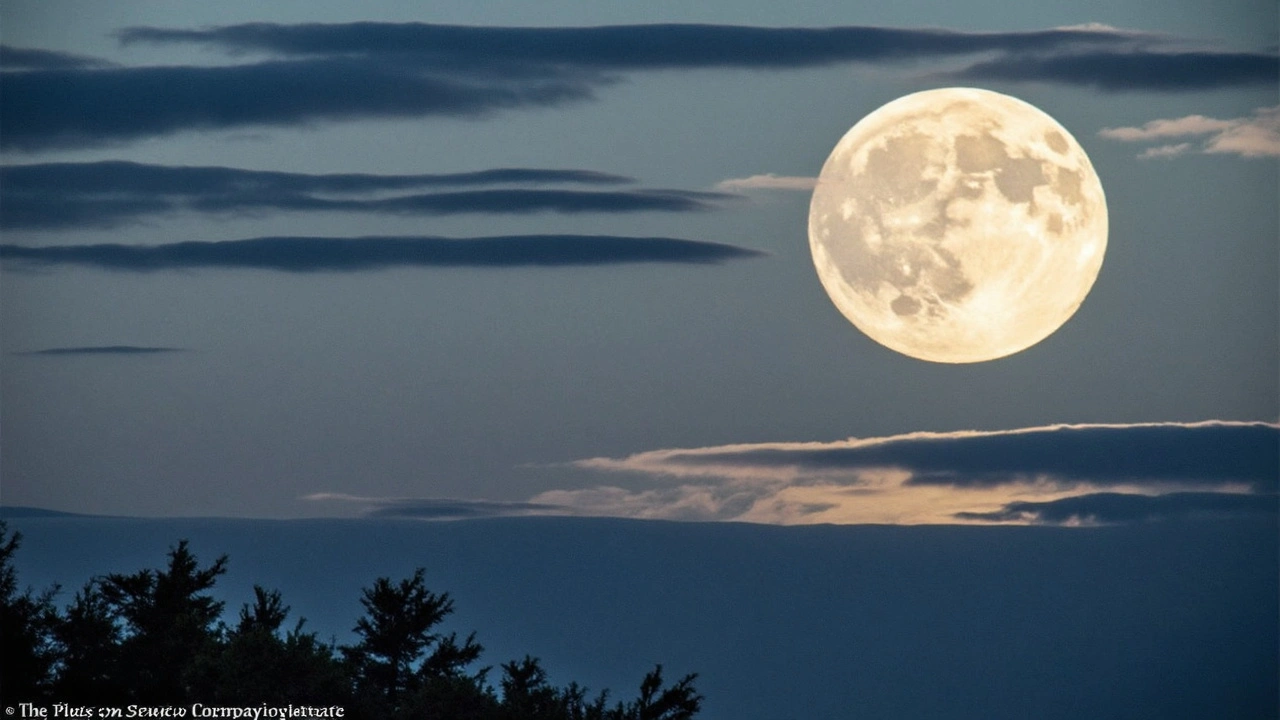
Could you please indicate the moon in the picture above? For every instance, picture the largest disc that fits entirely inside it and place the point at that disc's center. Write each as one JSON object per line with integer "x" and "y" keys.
{"x": 958, "y": 225}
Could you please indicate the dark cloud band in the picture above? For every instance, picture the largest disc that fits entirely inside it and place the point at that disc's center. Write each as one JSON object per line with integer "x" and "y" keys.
{"x": 14, "y": 58}
{"x": 619, "y": 47}
{"x": 316, "y": 72}
{"x": 1212, "y": 453}
{"x": 439, "y": 508}
{"x": 1114, "y": 71}
{"x": 1116, "y": 508}
{"x": 103, "y": 350}
{"x": 304, "y": 254}
{"x": 79, "y": 107}
{"x": 109, "y": 194}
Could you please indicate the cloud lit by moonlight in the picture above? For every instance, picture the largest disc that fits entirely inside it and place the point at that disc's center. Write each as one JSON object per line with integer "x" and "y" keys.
{"x": 958, "y": 225}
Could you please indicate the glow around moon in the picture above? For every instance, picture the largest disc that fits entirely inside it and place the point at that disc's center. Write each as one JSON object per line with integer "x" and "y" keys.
{"x": 958, "y": 225}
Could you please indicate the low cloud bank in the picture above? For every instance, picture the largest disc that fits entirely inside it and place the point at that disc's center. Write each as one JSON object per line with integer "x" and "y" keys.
{"x": 1052, "y": 475}
{"x": 1038, "y": 474}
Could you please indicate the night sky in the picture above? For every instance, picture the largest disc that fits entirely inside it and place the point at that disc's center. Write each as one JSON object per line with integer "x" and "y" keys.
{"x": 449, "y": 260}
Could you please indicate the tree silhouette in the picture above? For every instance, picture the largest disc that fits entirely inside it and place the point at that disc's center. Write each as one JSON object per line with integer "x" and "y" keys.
{"x": 169, "y": 621}
{"x": 27, "y": 655}
{"x": 88, "y": 639}
{"x": 154, "y": 637}
{"x": 255, "y": 663}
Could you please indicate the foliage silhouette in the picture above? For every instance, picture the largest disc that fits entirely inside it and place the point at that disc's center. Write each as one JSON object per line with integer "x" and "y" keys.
{"x": 156, "y": 637}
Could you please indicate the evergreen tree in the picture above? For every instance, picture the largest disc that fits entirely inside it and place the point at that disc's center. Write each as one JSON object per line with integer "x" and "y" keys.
{"x": 169, "y": 621}
{"x": 254, "y": 663}
{"x": 398, "y": 629}
{"x": 27, "y": 619}
{"x": 88, "y": 640}
{"x": 155, "y": 638}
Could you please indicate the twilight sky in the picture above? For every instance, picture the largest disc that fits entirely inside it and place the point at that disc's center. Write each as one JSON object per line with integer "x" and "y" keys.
{"x": 449, "y": 260}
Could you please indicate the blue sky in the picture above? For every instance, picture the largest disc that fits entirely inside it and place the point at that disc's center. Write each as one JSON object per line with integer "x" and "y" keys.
{"x": 504, "y": 259}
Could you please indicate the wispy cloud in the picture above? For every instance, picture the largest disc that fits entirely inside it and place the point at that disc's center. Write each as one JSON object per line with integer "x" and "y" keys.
{"x": 309, "y": 254}
{"x": 1164, "y": 151}
{"x": 102, "y": 350}
{"x": 1005, "y": 476}
{"x": 767, "y": 181}
{"x": 113, "y": 193}
{"x": 1254, "y": 136}
{"x": 437, "y": 508}
{"x": 387, "y": 70}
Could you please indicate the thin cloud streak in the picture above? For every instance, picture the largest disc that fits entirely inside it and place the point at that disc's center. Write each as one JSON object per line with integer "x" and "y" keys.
{"x": 311, "y": 254}
{"x": 114, "y": 193}
{"x": 438, "y": 508}
{"x": 316, "y": 72}
{"x": 1250, "y": 137}
{"x": 102, "y": 350}
{"x": 768, "y": 181}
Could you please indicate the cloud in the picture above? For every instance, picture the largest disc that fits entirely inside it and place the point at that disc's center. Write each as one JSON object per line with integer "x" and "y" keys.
{"x": 14, "y": 58}
{"x": 89, "y": 107}
{"x": 925, "y": 477}
{"x": 768, "y": 181}
{"x": 1116, "y": 508}
{"x": 302, "y": 74}
{"x": 1213, "y": 453}
{"x": 102, "y": 350}
{"x": 619, "y": 47}
{"x": 438, "y": 508}
{"x": 1165, "y": 151}
{"x": 308, "y": 254}
{"x": 1132, "y": 69}
{"x": 1156, "y": 129}
{"x": 113, "y": 193}
{"x": 1255, "y": 136}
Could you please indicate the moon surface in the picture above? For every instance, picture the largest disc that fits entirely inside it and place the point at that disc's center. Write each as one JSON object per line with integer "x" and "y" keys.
{"x": 958, "y": 225}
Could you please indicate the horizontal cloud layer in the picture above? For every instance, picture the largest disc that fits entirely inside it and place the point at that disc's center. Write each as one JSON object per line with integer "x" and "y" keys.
{"x": 15, "y": 58}
{"x": 1114, "y": 508}
{"x": 971, "y": 476}
{"x": 108, "y": 194}
{"x": 1256, "y": 136}
{"x": 1215, "y": 452}
{"x": 437, "y": 508}
{"x": 303, "y": 254}
{"x": 102, "y": 350}
{"x": 349, "y": 71}
{"x": 1132, "y": 69}
{"x": 619, "y": 47}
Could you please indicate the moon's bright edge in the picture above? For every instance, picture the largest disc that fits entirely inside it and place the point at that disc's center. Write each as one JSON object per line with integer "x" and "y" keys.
{"x": 958, "y": 225}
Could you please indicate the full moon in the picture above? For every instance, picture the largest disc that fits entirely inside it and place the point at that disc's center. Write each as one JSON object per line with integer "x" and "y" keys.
{"x": 958, "y": 225}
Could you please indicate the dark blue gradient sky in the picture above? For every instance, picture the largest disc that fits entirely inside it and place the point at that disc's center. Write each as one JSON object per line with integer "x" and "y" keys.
{"x": 487, "y": 260}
